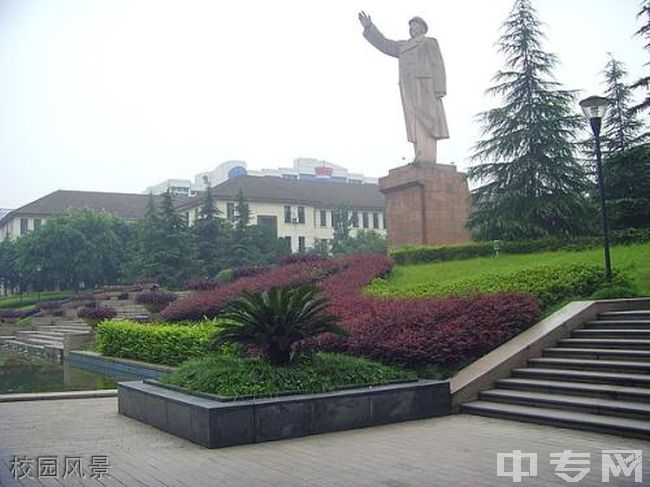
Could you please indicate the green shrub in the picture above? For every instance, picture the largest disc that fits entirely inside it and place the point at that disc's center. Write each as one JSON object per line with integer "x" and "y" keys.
{"x": 224, "y": 276}
{"x": 631, "y": 236}
{"x": 232, "y": 375}
{"x": 158, "y": 344}
{"x": 417, "y": 254}
{"x": 550, "y": 284}
{"x": 614, "y": 291}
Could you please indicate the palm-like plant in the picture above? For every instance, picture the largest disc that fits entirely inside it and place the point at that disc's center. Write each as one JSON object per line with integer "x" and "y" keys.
{"x": 276, "y": 320}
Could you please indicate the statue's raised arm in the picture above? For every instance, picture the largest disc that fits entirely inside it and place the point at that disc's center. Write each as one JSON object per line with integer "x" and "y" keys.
{"x": 422, "y": 83}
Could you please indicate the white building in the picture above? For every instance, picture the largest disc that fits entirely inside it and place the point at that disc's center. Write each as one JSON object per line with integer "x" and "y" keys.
{"x": 303, "y": 169}
{"x": 299, "y": 211}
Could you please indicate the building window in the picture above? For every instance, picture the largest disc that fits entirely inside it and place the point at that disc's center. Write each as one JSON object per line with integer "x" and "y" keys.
{"x": 287, "y": 214}
{"x": 332, "y": 217}
{"x": 289, "y": 176}
{"x": 375, "y": 220}
{"x": 230, "y": 211}
{"x": 37, "y": 223}
{"x": 323, "y": 218}
{"x": 355, "y": 219}
{"x": 301, "y": 214}
{"x": 23, "y": 226}
{"x": 287, "y": 242}
{"x": 383, "y": 220}
{"x": 365, "y": 219}
{"x": 301, "y": 245}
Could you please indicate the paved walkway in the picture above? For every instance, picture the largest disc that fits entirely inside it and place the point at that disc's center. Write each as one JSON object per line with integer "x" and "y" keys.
{"x": 458, "y": 451}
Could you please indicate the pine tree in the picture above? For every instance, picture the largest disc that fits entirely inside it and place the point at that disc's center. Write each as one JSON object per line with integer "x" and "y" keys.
{"x": 209, "y": 237}
{"x": 242, "y": 215}
{"x": 621, "y": 127}
{"x": 643, "y": 82}
{"x": 342, "y": 222}
{"x": 532, "y": 185}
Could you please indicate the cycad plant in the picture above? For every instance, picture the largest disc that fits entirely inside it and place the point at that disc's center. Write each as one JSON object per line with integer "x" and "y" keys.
{"x": 275, "y": 320}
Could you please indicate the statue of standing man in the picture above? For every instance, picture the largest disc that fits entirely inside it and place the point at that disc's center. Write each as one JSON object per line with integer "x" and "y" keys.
{"x": 422, "y": 84}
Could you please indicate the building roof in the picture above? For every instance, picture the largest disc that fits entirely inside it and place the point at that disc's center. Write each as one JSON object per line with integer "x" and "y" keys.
{"x": 320, "y": 194}
{"x": 125, "y": 205}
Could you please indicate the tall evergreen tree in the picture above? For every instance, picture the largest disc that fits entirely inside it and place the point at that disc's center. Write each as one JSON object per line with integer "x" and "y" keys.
{"x": 621, "y": 127}
{"x": 643, "y": 83}
{"x": 532, "y": 185}
{"x": 209, "y": 237}
{"x": 242, "y": 215}
{"x": 342, "y": 222}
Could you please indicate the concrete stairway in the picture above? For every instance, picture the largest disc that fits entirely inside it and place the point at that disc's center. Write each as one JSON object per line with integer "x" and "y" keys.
{"x": 598, "y": 379}
{"x": 47, "y": 339}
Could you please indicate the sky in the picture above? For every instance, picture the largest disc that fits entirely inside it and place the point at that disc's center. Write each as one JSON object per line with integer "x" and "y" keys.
{"x": 118, "y": 95}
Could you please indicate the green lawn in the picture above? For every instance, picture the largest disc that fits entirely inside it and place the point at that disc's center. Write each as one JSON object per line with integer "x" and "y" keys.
{"x": 633, "y": 260}
{"x": 18, "y": 301}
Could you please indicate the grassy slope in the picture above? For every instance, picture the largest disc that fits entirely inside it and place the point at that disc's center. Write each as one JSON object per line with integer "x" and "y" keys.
{"x": 634, "y": 260}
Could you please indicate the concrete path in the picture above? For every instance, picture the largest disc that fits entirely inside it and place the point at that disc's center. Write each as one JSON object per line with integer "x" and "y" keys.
{"x": 458, "y": 451}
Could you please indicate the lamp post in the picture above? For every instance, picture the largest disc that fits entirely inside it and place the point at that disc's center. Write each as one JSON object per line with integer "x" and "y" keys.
{"x": 594, "y": 109}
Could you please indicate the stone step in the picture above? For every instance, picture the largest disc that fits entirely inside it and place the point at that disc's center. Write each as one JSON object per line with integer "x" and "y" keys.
{"x": 45, "y": 342}
{"x": 618, "y": 324}
{"x": 611, "y": 333}
{"x": 598, "y": 353}
{"x": 556, "y": 417}
{"x": 642, "y": 314}
{"x": 624, "y": 343}
{"x": 632, "y": 380}
{"x": 592, "y": 405}
{"x": 20, "y": 344}
{"x": 632, "y": 367}
{"x": 639, "y": 394}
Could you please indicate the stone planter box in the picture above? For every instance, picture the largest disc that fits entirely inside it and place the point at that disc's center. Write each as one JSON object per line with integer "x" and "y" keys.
{"x": 214, "y": 423}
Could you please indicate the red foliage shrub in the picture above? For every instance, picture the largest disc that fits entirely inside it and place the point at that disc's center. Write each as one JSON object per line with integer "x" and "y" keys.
{"x": 208, "y": 304}
{"x": 200, "y": 284}
{"x": 409, "y": 332}
{"x": 446, "y": 332}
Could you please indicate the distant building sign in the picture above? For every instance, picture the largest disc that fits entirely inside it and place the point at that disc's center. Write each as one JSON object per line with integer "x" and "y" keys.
{"x": 324, "y": 171}
{"x": 236, "y": 171}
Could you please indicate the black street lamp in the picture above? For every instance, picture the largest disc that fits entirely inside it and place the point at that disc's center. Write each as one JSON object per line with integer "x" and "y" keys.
{"x": 594, "y": 109}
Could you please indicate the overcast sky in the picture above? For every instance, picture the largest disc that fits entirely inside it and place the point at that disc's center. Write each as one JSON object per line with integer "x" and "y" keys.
{"x": 117, "y": 95}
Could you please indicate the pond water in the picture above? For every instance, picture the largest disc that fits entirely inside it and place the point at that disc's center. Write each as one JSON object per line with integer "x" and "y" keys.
{"x": 20, "y": 373}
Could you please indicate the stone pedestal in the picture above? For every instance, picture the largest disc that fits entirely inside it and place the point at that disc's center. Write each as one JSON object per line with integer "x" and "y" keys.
{"x": 426, "y": 204}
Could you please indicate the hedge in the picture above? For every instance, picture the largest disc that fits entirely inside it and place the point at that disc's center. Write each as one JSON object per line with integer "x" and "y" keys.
{"x": 417, "y": 332}
{"x": 158, "y": 344}
{"x": 550, "y": 284}
{"x": 418, "y": 254}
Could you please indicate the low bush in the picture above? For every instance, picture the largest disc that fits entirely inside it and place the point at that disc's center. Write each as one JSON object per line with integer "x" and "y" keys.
{"x": 155, "y": 301}
{"x": 200, "y": 284}
{"x": 550, "y": 284}
{"x": 232, "y": 375}
{"x": 209, "y": 304}
{"x": 417, "y": 332}
{"x": 631, "y": 236}
{"x": 17, "y": 313}
{"x": 50, "y": 305}
{"x": 224, "y": 276}
{"x": 158, "y": 344}
{"x": 615, "y": 291}
{"x": 97, "y": 314}
{"x": 419, "y": 254}
{"x": 299, "y": 259}
{"x": 247, "y": 271}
